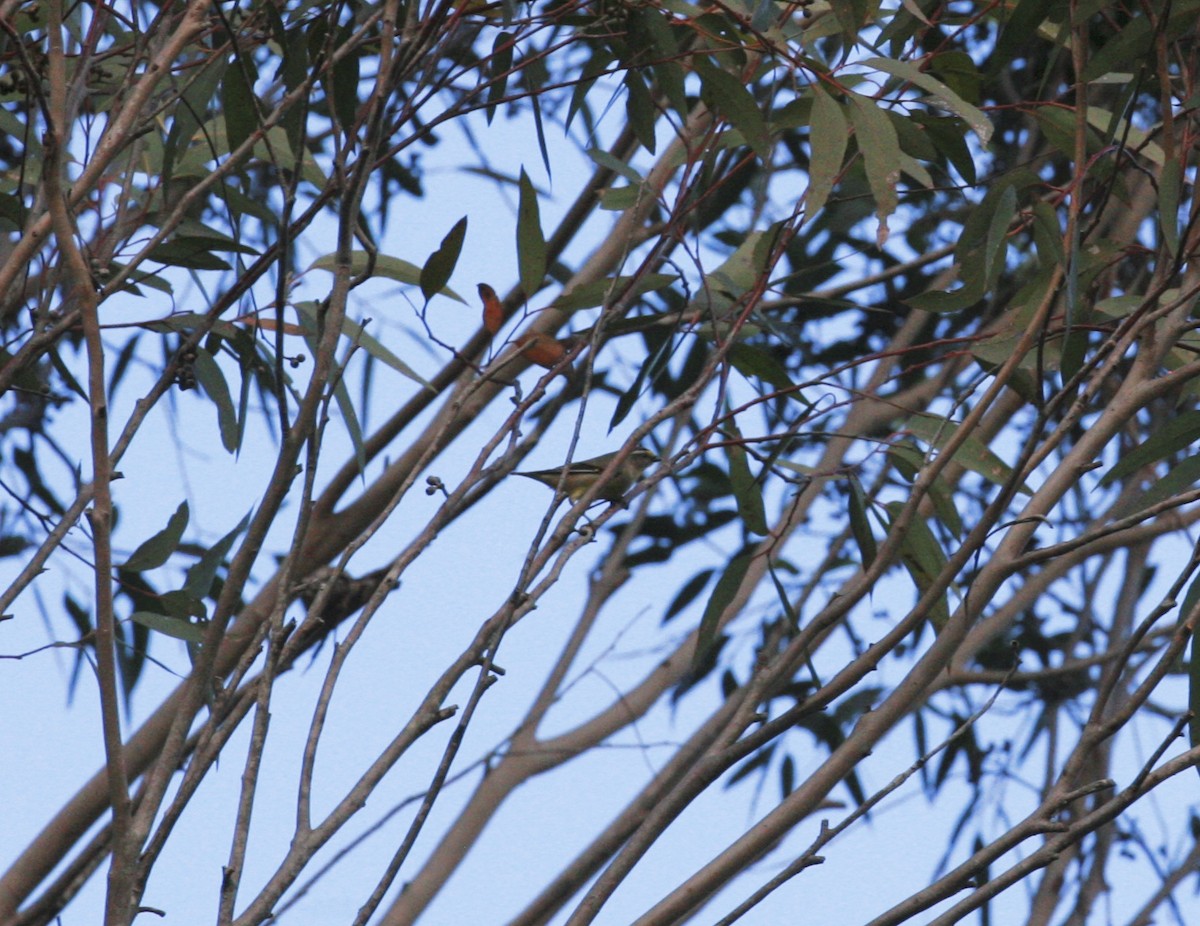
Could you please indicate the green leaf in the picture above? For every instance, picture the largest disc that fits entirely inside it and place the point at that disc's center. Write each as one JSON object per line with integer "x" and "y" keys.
{"x": 752, "y": 361}
{"x": 591, "y": 72}
{"x": 880, "y": 149}
{"x": 1181, "y": 431}
{"x": 600, "y": 291}
{"x": 358, "y": 334}
{"x": 535, "y": 105}
{"x": 1047, "y": 235}
{"x": 721, "y": 598}
{"x": 238, "y": 107}
{"x": 199, "y": 579}
{"x": 1179, "y": 479}
{"x": 440, "y": 266}
{"x": 210, "y": 377}
{"x": 1020, "y": 30}
{"x": 1170, "y": 185}
{"x": 499, "y": 68}
{"x": 1122, "y": 51}
{"x": 725, "y": 93}
{"x": 171, "y": 626}
{"x": 342, "y": 84}
{"x": 860, "y": 526}
{"x": 958, "y": 71}
{"x": 1194, "y": 697}
{"x": 392, "y": 268}
{"x": 1134, "y": 138}
{"x": 828, "y": 136}
{"x": 640, "y": 111}
{"x": 531, "y": 244}
{"x": 974, "y": 454}
{"x": 188, "y": 252}
{"x": 906, "y": 70}
{"x": 924, "y": 559}
{"x": 950, "y": 142}
{"x": 981, "y": 252}
{"x": 686, "y": 595}
{"x": 615, "y": 164}
{"x": 620, "y": 198}
{"x": 350, "y": 418}
{"x": 190, "y": 113}
{"x": 158, "y": 549}
{"x": 747, "y": 491}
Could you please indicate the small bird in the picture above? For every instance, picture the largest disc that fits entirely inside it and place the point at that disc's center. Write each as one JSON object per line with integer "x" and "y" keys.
{"x": 582, "y": 475}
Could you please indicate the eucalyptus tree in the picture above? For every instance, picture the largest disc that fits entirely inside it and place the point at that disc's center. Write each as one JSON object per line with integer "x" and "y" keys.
{"x": 902, "y": 297}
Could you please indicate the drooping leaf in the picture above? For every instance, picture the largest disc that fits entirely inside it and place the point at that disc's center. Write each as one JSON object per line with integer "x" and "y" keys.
{"x": 1128, "y": 46}
{"x": 880, "y": 150}
{"x": 726, "y": 94}
{"x": 752, "y": 361}
{"x": 1020, "y": 29}
{"x": 238, "y": 106}
{"x": 531, "y": 243}
{"x": 828, "y": 137}
{"x": 1194, "y": 695}
{"x": 155, "y": 551}
{"x": 191, "y": 253}
{"x": 604, "y": 159}
{"x": 190, "y": 113}
{"x": 981, "y": 252}
{"x": 640, "y": 109}
{"x": 210, "y": 377}
{"x": 860, "y": 527}
{"x": 722, "y": 596}
{"x": 924, "y": 559}
{"x": 499, "y": 67}
{"x": 1170, "y": 184}
{"x": 342, "y": 84}
{"x": 747, "y": 491}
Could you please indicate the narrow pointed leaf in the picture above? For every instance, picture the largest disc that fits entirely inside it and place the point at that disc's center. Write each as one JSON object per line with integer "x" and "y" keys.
{"x": 722, "y": 596}
{"x": 746, "y": 489}
{"x": 392, "y": 268}
{"x": 171, "y": 626}
{"x": 973, "y": 453}
{"x": 860, "y": 527}
{"x": 729, "y": 96}
{"x": 880, "y": 149}
{"x": 906, "y": 70}
{"x": 1180, "y": 432}
{"x": 438, "y": 269}
{"x": 199, "y": 579}
{"x": 828, "y": 136}
{"x": 158, "y": 549}
{"x": 531, "y": 243}
{"x": 210, "y": 377}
